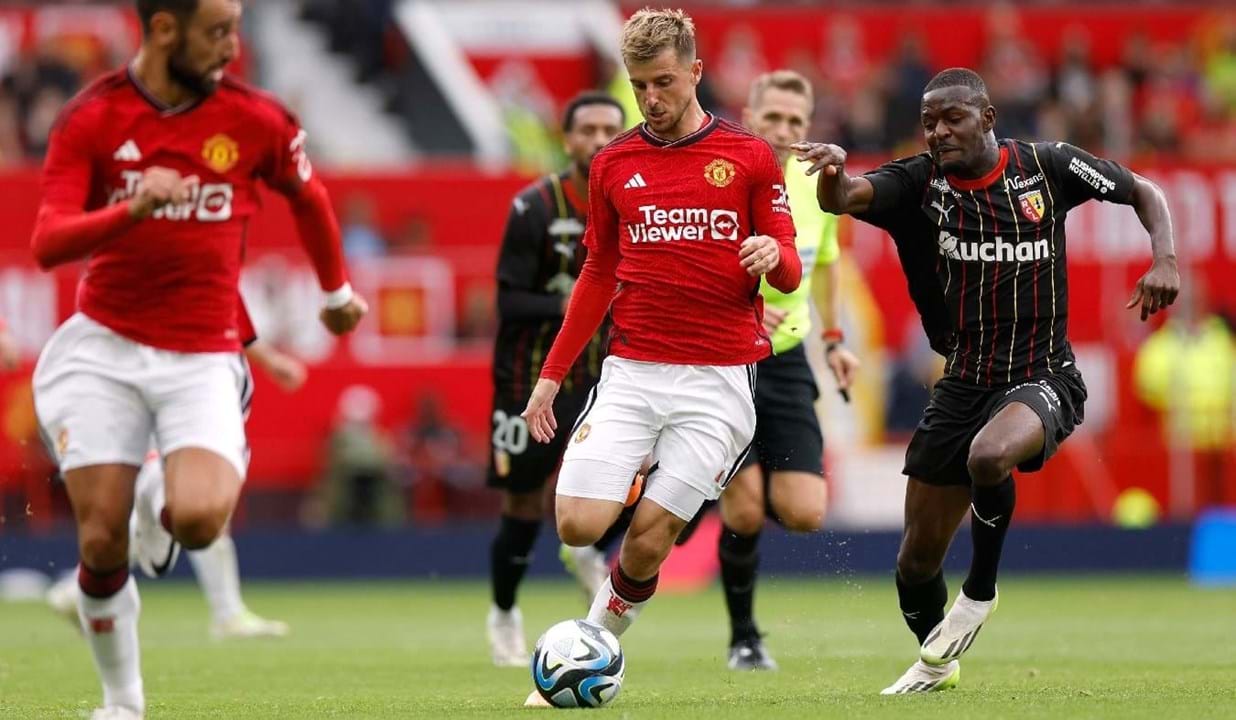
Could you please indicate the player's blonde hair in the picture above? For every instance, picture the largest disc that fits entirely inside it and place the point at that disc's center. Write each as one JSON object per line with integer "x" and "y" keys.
{"x": 787, "y": 80}
{"x": 650, "y": 32}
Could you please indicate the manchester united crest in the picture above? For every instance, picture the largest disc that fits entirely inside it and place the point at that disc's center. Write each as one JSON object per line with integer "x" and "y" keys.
{"x": 583, "y": 433}
{"x": 1032, "y": 205}
{"x": 220, "y": 152}
{"x": 719, "y": 173}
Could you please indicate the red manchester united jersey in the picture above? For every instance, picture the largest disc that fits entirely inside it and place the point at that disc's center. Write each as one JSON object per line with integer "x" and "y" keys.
{"x": 672, "y": 216}
{"x": 170, "y": 281}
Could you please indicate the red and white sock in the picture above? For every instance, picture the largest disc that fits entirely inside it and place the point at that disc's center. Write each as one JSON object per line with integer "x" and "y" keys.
{"x": 620, "y": 600}
{"x": 108, "y": 607}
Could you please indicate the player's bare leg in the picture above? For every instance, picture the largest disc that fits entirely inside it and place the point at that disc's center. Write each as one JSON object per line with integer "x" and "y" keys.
{"x": 510, "y": 554}
{"x": 202, "y": 490}
{"x": 582, "y": 521}
{"x": 932, "y": 516}
{"x": 1013, "y": 436}
{"x": 634, "y": 579}
{"x": 108, "y": 605}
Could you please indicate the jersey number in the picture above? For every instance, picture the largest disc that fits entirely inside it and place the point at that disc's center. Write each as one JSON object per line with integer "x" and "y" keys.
{"x": 510, "y": 433}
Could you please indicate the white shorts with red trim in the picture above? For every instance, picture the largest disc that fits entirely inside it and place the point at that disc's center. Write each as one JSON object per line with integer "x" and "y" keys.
{"x": 696, "y": 422}
{"x": 101, "y": 397}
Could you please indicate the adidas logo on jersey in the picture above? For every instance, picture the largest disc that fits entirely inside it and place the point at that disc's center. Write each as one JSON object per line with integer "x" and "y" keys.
{"x": 127, "y": 152}
{"x": 636, "y": 181}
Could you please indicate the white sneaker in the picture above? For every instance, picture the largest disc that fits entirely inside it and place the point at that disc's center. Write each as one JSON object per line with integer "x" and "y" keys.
{"x": 589, "y": 567}
{"x": 62, "y": 599}
{"x": 248, "y": 624}
{"x": 116, "y": 712}
{"x": 921, "y": 678}
{"x": 506, "y": 637}
{"x": 956, "y": 632}
{"x": 536, "y": 701}
{"x": 152, "y": 545}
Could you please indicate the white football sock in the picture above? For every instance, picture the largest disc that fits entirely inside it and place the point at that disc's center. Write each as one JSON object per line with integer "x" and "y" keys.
{"x": 110, "y": 626}
{"x": 218, "y": 572}
{"x": 611, "y": 611}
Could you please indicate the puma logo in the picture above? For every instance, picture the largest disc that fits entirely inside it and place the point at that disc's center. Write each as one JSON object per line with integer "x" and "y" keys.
{"x": 939, "y": 205}
{"x": 989, "y": 523}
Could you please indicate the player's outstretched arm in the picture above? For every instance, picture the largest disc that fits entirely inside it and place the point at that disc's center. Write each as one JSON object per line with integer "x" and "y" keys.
{"x": 1159, "y": 286}
{"x": 836, "y": 192}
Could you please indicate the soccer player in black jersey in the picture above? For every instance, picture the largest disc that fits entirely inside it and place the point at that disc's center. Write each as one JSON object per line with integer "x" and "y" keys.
{"x": 994, "y": 211}
{"x": 540, "y": 259}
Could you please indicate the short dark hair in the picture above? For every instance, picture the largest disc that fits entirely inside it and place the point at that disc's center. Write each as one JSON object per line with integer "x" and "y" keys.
{"x": 146, "y": 9}
{"x": 957, "y": 77}
{"x": 590, "y": 97}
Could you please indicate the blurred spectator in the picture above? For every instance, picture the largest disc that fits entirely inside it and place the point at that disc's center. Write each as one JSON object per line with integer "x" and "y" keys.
{"x": 358, "y": 487}
{"x": 740, "y": 61}
{"x": 446, "y": 478}
{"x": 1186, "y": 370}
{"x": 360, "y": 237}
{"x": 1016, "y": 78}
{"x": 907, "y": 76}
{"x": 1220, "y": 69}
{"x": 413, "y": 235}
{"x": 914, "y": 373}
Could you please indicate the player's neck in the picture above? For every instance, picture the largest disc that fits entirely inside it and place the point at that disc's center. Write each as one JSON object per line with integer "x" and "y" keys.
{"x": 989, "y": 158}
{"x": 579, "y": 182}
{"x": 693, "y": 119}
{"x": 151, "y": 72}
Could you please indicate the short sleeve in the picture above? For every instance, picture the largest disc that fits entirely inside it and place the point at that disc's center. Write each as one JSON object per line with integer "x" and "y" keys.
{"x": 1080, "y": 176}
{"x": 897, "y": 188}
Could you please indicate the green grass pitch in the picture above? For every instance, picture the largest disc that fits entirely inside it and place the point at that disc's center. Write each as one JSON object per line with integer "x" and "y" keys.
{"x": 1125, "y": 647}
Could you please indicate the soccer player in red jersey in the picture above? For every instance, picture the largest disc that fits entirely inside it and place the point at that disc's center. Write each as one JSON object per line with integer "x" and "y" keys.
{"x": 686, "y": 213}
{"x": 151, "y": 176}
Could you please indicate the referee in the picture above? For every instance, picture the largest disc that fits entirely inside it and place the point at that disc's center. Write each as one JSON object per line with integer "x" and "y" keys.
{"x": 540, "y": 259}
{"x": 784, "y": 472}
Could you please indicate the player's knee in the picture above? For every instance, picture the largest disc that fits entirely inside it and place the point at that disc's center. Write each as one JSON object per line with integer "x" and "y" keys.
{"x": 578, "y": 531}
{"x": 196, "y": 528}
{"x": 101, "y": 546}
{"x": 988, "y": 461}
{"x": 801, "y": 518}
{"x": 744, "y": 518}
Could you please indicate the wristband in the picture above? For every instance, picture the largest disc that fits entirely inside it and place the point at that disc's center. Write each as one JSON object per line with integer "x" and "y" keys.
{"x": 336, "y": 299}
{"x": 833, "y": 336}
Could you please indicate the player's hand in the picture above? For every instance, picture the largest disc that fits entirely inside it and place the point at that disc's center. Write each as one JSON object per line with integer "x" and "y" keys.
{"x": 540, "y": 411}
{"x": 287, "y": 372}
{"x": 160, "y": 186}
{"x": 845, "y": 365}
{"x": 822, "y": 156}
{"x": 759, "y": 254}
{"x": 773, "y": 317}
{"x": 1156, "y": 289}
{"x": 8, "y": 351}
{"x": 342, "y": 320}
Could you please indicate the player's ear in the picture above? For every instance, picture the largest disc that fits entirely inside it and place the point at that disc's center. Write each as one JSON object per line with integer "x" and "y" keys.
{"x": 989, "y": 118}
{"x": 697, "y": 71}
{"x": 164, "y": 27}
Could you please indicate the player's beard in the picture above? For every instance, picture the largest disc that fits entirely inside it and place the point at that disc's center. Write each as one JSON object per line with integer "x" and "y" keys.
{"x": 178, "y": 69}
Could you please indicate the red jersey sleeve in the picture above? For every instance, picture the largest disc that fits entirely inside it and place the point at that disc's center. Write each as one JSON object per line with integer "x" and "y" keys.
{"x": 289, "y": 172}
{"x": 62, "y": 231}
{"x": 770, "y": 215}
{"x": 594, "y": 290}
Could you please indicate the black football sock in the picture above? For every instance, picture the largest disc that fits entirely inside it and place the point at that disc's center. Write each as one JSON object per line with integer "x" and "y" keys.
{"x": 509, "y": 557}
{"x": 922, "y": 604}
{"x": 740, "y": 558}
{"x": 990, "y": 514}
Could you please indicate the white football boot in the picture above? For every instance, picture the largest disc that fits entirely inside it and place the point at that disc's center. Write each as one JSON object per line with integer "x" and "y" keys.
{"x": 589, "y": 567}
{"x": 506, "y": 637}
{"x": 248, "y": 624}
{"x": 150, "y": 544}
{"x": 536, "y": 701}
{"x": 921, "y": 678}
{"x": 116, "y": 712}
{"x": 955, "y": 634}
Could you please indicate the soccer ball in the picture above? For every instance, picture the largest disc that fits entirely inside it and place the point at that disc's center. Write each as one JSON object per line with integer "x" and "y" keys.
{"x": 578, "y": 663}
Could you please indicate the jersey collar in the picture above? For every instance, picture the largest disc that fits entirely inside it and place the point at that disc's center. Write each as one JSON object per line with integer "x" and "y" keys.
{"x": 163, "y": 108}
{"x": 989, "y": 178}
{"x": 710, "y": 123}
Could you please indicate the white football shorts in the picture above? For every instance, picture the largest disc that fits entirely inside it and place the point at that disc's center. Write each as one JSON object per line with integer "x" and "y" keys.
{"x": 695, "y": 421}
{"x": 101, "y": 397}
